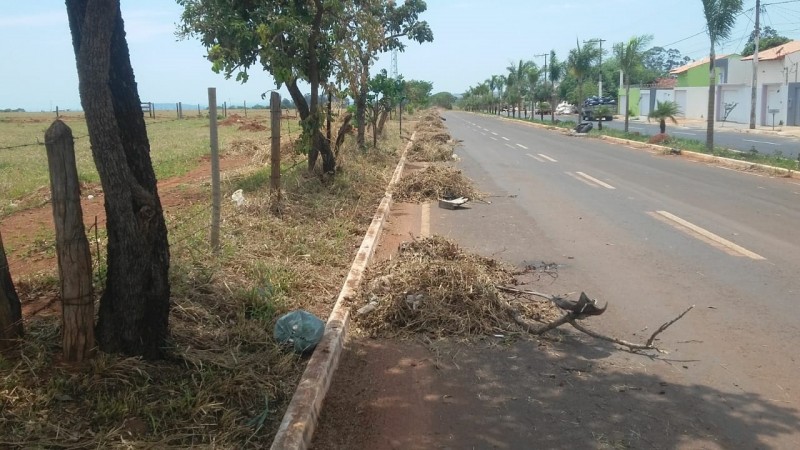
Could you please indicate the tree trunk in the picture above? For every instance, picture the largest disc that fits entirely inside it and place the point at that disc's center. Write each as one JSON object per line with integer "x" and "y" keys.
{"x": 10, "y": 309}
{"x": 662, "y": 124}
{"x": 361, "y": 105}
{"x": 382, "y": 121}
{"x": 74, "y": 258}
{"x": 134, "y": 308}
{"x": 712, "y": 82}
{"x": 627, "y": 100}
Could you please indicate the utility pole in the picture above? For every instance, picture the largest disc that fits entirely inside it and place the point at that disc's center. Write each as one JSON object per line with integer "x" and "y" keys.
{"x": 600, "y": 82}
{"x": 753, "y": 92}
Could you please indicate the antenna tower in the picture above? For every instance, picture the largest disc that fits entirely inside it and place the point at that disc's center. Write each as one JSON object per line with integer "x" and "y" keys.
{"x": 393, "y": 69}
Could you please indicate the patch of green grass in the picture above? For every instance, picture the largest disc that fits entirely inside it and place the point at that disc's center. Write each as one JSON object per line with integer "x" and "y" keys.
{"x": 254, "y": 181}
{"x": 176, "y": 147}
{"x": 775, "y": 160}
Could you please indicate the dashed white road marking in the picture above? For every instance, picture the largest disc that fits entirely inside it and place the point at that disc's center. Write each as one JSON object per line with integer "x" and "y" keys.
{"x": 535, "y": 157}
{"x": 522, "y": 146}
{"x": 595, "y": 180}
{"x": 493, "y": 138}
{"x": 547, "y": 157}
{"x": 705, "y": 235}
{"x": 761, "y": 142}
{"x": 493, "y": 133}
{"x": 510, "y": 146}
{"x": 483, "y": 133}
{"x": 505, "y": 138}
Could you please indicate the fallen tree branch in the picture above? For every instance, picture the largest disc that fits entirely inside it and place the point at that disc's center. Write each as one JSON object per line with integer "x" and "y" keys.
{"x": 667, "y": 325}
{"x": 520, "y": 291}
{"x": 631, "y": 346}
{"x": 575, "y": 311}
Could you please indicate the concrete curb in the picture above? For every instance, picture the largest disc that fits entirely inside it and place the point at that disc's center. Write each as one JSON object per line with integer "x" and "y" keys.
{"x": 300, "y": 420}
{"x": 734, "y": 163}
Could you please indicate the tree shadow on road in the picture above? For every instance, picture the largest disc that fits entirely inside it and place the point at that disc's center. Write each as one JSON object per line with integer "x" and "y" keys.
{"x": 536, "y": 394}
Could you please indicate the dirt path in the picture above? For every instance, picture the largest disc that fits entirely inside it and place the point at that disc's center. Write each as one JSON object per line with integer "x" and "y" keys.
{"x": 28, "y": 235}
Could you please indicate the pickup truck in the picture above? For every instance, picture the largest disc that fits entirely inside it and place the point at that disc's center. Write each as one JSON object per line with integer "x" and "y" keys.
{"x": 592, "y": 104}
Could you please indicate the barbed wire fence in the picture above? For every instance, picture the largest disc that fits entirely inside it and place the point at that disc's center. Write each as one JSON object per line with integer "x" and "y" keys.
{"x": 183, "y": 230}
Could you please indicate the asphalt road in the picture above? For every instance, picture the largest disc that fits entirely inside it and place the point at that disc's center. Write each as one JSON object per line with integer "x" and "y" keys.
{"x": 653, "y": 234}
{"x": 768, "y": 144}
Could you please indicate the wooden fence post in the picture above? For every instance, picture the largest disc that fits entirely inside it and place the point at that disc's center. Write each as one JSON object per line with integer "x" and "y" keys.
{"x": 275, "y": 154}
{"x": 215, "y": 190}
{"x": 10, "y": 309}
{"x": 72, "y": 247}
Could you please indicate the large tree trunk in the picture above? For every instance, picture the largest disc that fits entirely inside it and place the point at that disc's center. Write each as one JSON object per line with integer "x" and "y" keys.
{"x": 10, "y": 309}
{"x": 134, "y": 308}
{"x": 712, "y": 83}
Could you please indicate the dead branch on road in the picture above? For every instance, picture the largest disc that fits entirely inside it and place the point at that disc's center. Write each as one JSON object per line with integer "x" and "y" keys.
{"x": 575, "y": 311}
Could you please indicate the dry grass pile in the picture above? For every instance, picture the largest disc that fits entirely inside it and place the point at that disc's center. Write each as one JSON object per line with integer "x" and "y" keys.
{"x": 432, "y": 141}
{"x": 434, "y": 287}
{"x": 434, "y": 182}
{"x": 227, "y": 383}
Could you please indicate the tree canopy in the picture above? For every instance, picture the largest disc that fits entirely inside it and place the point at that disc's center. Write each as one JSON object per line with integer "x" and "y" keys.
{"x": 768, "y": 39}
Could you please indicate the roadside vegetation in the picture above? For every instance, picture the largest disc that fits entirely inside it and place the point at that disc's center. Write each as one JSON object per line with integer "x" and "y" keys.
{"x": 225, "y": 382}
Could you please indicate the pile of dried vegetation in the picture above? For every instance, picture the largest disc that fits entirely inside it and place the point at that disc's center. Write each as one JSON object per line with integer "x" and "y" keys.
{"x": 434, "y": 287}
{"x": 434, "y": 182}
{"x": 227, "y": 383}
{"x": 432, "y": 142}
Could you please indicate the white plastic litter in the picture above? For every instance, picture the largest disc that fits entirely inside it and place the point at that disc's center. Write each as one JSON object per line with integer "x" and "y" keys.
{"x": 238, "y": 197}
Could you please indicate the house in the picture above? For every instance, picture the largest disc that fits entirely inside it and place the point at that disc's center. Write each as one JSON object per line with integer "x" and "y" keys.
{"x": 644, "y": 97}
{"x": 778, "y": 92}
{"x": 691, "y": 87}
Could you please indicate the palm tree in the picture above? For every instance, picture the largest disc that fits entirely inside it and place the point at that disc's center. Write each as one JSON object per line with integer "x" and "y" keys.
{"x": 492, "y": 83}
{"x": 500, "y": 82}
{"x": 630, "y": 56}
{"x": 532, "y": 75}
{"x": 556, "y": 71}
{"x": 580, "y": 63}
{"x": 720, "y": 19}
{"x": 662, "y": 112}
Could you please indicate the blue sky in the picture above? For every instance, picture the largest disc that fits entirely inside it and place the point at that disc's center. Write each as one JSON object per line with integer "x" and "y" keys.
{"x": 473, "y": 39}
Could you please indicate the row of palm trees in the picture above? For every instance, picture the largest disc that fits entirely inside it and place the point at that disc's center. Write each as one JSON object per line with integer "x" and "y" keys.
{"x": 526, "y": 83}
{"x": 522, "y": 82}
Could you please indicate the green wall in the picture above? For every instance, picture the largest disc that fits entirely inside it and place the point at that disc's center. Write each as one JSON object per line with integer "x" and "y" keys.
{"x": 633, "y": 104}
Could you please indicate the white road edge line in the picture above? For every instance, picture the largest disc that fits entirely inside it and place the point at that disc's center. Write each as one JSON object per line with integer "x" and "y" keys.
{"x": 547, "y": 157}
{"x": 522, "y": 146}
{"x": 741, "y": 251}
{"x": 760, "y": 142}
{"x": 683, "y": 132}
{"x": 595, "y": 180}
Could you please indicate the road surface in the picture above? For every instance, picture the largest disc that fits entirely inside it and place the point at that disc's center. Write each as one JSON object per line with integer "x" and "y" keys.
{"x": 649, "y": 234}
